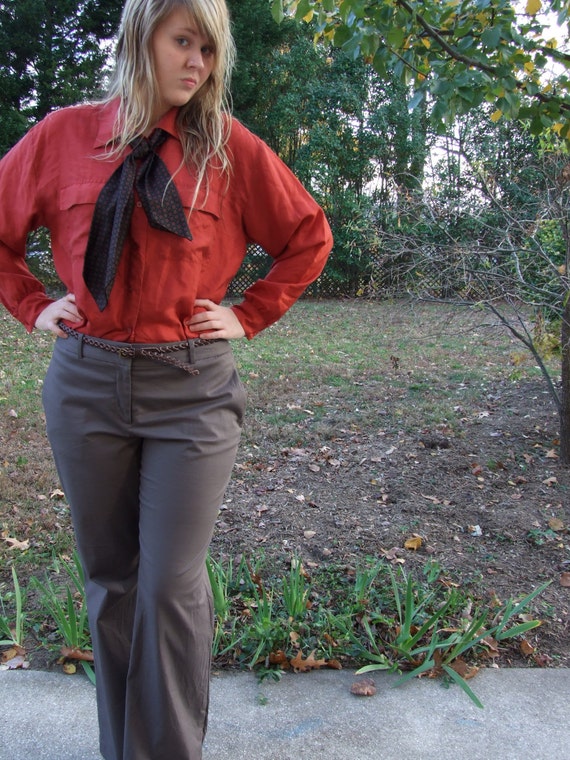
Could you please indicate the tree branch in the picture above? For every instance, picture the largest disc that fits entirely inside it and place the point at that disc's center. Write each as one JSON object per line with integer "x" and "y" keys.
{"x": 449, "y": 49}
{"x": 476, "y": 64}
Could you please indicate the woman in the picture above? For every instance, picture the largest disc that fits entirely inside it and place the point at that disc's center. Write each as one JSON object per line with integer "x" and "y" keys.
{"x": 151, "y": 198}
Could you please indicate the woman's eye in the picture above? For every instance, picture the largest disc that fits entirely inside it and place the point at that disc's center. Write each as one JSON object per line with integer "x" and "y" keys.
{"x": 207, "y": 50}
{"x": 182, "y": 41}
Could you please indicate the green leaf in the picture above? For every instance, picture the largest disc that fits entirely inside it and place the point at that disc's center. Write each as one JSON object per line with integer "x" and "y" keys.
{"x": 395, "y": 37}
{"x": 464, "y": 685}
{"x": 370, "y": 668}
{"x": 423, "y": 668}
{"x": 277, "y": 10}
{"x": 517, "y": 630}
{"x": 303, "y": 8}
{"x": 491, "y": 37}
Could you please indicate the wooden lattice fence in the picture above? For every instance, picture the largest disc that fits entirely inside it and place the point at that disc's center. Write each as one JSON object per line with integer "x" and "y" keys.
{"x": 386, "y": 276}
{"x": 257, "y": 263}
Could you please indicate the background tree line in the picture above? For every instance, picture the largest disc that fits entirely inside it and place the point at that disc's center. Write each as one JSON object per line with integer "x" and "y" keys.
{"x": 396, "y": 122}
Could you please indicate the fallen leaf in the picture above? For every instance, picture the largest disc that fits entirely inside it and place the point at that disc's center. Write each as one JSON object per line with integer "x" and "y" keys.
{"x": 463, "y": 669}
{"x": 551, "y": 454}
{"x": 11, "y": 653}
{"x": 526, "y": 617}
{"x": 492, "y": 646}
{"x": 279, "y": 658}
{"x": 17, "y": 662}
{"x": 57, "y": 493}
{"x": 393, "y": 554}
{"x": 449, "y": 584}
{"x": 74, "y": 653}
{"x": 294, "y": 637}
{"x": 542, "y": 660}
{"x": 550, "y": 481}
{"x": 302, "y": 666}
{"x": 555, "y": 524}
{"x": 526, "y": 648}
{"x": 565, "y": 580}
{"x": 309, "y": 533}
{"x": 363, "y": 688}
{"x": 69, "y": 668}
{"x": 13, "y": 543}
{"x": 413, "y": 543}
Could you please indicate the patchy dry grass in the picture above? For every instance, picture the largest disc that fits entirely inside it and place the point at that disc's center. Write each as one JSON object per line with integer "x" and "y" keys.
{"x": 360, "y": 364}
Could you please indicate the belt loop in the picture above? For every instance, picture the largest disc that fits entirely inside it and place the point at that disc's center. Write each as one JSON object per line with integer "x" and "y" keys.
{"x": 191, "y": 352}
{"x": 79, "y": 345}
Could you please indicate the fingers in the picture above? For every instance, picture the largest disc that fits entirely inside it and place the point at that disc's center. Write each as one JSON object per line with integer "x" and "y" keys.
{"x": 206, "y": 303}
{"x": 216, "y": 322}
{"x": 64, "y": 308}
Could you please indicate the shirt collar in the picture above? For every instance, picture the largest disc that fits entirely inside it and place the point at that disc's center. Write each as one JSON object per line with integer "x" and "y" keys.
{"x": 108, "y": 115}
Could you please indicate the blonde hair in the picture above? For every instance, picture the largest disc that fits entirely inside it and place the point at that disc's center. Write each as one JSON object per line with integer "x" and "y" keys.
{"x": 202, "y": 125}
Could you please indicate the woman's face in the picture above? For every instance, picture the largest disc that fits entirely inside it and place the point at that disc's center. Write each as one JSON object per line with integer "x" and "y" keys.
{"x": 183, "y": 60}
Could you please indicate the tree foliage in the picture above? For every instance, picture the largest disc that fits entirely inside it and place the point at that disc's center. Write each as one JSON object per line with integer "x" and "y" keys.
{"x": 334, "y": 122}
{"x": 458, "y": 53}
{"x": 52, "y": 53}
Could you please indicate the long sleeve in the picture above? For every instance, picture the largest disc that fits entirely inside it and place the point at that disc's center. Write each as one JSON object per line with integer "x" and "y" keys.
{"x": 20, "y": 213}
{"x": 281, "y": 217}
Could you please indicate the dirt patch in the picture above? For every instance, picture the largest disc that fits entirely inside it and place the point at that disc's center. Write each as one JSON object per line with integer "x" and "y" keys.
{"x": 489, "y": 502}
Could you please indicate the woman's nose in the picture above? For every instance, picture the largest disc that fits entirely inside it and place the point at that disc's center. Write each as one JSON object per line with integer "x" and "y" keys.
{"x": 195, "y": 61}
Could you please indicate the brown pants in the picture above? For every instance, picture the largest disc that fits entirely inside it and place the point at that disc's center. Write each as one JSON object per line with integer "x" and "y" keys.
{"x": 144, "y": 453}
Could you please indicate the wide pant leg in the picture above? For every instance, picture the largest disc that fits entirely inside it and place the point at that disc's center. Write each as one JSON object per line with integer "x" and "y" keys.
{"x": 144, "y": 453}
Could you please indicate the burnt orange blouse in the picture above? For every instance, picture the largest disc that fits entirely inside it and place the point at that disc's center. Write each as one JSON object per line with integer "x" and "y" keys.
{"x": 53, "y": 177}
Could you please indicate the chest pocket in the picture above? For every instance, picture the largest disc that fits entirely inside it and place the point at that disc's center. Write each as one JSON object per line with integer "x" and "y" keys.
{"x": 80, "y": 194}
{"x": 76, "y": 205}
{"x": 204, "y": 219}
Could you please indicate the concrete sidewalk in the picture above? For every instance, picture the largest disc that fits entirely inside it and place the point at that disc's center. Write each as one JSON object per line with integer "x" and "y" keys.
{"x": 50, "y": 716}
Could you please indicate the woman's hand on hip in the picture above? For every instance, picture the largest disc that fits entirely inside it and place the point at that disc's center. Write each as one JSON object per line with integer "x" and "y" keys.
{"x": 216, "y": 321}
{"x": 64, "y": 308}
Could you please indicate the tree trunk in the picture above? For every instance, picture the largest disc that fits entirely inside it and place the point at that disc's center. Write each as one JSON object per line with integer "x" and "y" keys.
{"x": 565, "y": 369}
{"x": 565, "y": 390}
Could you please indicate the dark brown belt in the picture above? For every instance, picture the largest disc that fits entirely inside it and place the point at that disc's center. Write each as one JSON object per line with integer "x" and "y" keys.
{"x": 158, "y": 352}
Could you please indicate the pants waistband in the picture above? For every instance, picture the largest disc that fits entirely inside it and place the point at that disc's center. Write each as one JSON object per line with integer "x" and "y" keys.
{"x": 159, "y": 352}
